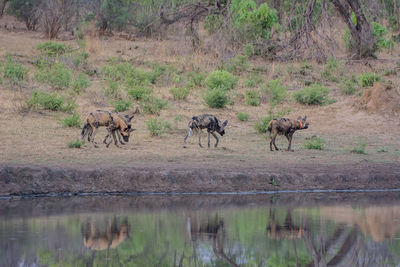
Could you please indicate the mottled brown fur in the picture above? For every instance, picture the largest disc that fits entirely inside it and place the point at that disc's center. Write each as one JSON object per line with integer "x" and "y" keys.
{"x": 127, "y": 118}
{"x": 286, "y": 127}
{"x": 106, "y": 119}
{"x": 209, "y": 122}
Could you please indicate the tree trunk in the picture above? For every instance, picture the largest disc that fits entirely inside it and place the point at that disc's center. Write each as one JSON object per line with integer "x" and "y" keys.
{"x": 3, "y": 4}
{"x": 361, "y": 33}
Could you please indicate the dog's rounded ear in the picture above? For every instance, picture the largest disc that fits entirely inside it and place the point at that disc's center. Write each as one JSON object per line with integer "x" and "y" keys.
{"x": 305, "y": 118}
{"x": 299, "y": 118}
{"x": 225, "y": 123}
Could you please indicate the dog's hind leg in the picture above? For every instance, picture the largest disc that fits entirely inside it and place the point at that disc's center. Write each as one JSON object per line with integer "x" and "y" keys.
{"x": 189, "y": 133}
{"x": 289, "y": 138}
{"x": 216, "y": 138}
{"x": 200, "y": 138}
{"x": 273, "y": 142}
{"x": 208, "y": 135}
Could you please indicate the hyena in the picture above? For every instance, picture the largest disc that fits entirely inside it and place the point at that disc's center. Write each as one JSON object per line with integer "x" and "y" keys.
{"x": 209, "y": 122}
{"x": 127, "y": 118}
{"x": 287, "y": 127}
{"x": 104, "y": 118}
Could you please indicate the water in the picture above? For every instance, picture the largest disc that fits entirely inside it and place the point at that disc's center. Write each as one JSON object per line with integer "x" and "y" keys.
{"x": 314, "y": 229}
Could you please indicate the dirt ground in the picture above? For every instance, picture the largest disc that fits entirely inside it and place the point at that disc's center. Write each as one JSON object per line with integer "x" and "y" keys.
{"x": 36, "y": 139}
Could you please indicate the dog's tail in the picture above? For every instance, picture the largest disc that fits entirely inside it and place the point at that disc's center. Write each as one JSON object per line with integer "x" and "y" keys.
{"x": 85, "y": 129}
{"x": 269, "y": 129}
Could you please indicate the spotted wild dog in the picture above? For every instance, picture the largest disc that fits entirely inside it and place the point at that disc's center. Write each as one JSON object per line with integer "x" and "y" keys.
{"x": 104, "y": 118}
{"x": 287, "y": 127}
{"x": 127, "y": 118}
{"x": 209, "y": 122}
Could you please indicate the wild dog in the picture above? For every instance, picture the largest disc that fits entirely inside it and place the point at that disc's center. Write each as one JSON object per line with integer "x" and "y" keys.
{"x": 127, "y": 118}
{"x": 209, "y": 122}
{"x": 107, "y": 119}
{"x": 287, "y": 127}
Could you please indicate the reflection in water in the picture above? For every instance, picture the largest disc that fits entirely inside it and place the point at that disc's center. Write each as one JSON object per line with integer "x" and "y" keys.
{"x": 98, "y": 237}
{"x": 203, "y": 233}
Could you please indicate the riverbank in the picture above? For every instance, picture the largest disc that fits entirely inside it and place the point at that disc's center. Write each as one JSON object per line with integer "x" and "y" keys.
{"x": 20, "y": 180}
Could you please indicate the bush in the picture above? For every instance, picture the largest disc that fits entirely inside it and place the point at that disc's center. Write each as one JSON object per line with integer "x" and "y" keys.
{"x": 72, "y": 121}
{"x": 243, "y": 116}
{"x": 76, "y": 143}
{"x": 46, "y": 101}
{"x": 378, "y": 32}
{"x": 254, "y": 80}
{"x": 315, "y": 143}
{"x": 196, "y": 77}
{"x": 80, "y": 83}
{"x": 57, "y": 76}
{"x": 368, "y": 79}
{"x": 14, "y": 72}
{"x": 80, "y": 59}
{"x": 139, "y": 92}
{"x": 277, "y": 91}
{"x": 153, "y": 105}
{"x": 157, "y": 127}
{"x": 213, "y": 22}
{"x": 216, "y": 98}
{"x": 112, "y": 89}
{"x": 261, "y": 125}
{"x": 221, "y": 79}
{"x": 179, "y": 92}
{"x": 349, "y": 86}
{"x": 238, "y": 64}
{"x": 252, "y": 98}
{"x": 118, "y": 72}
{"x": 121, "y": 105}
{"x": 359, "y": 149}
{"x": 333, "y": 69}
{"x": 51, "y": 49}
{"x": 314, "y": 95}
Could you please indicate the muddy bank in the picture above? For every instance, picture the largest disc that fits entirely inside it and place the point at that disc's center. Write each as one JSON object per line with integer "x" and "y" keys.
{"x": 25, "y": 180}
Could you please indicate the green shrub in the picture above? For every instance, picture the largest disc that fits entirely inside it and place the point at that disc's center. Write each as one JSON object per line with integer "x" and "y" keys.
{"x": 216, "y": 98}
{"x": 80, "y": 83}
{"x": 379, "y": 32}
{"x": 157, "y": 127}
{"x": 14, "y": 72}
{"x": 368, "y": 79}
{"x": 349, "y": 86}
{"x": 254, "y": 80}
{"x": 139, "y": 92}
{"x": 359, "y": 149}
{"x": 121, "y": 105}
{"x": 153, "y": 105}
{"x": 57, "y": 76}
{"x": 80, "y": 59}
{"x": 72, "y": 121}
{"x": 196, "y": 77}
{"x": 252, "y": 98}
{"x": 46, "y": 101}
{"x": 261, "y": 125}
{"x": 179, "y": 92}
{"x": 313, "y": 95}
{"x": 277, "y": 91}
{"x": 213, "y": 22}
{"x": 76, "y": 143}
{"x": 243, "y": 116}
{"x": 238, "y": 64}
{"x": 221, "y": 79}
{"x": 315, "y": 143}
{"x": 53, "y": 49}
{"x": 117, "y": 72}
{"x": 333, "y": 70}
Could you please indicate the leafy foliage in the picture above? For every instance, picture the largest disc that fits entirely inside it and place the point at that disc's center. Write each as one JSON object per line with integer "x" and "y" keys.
{"x": 80, "y": 83}
{"x": 313, "y": 95}
{"x": 179, "y": 92}
{"x": 76, "y": 143}
{"x": 72, "y": 121}
{"x": 121, "y": 105}
{"x": 153, "y": 105}
{"x": 14, "y": 72}
{"x": 252, "y": 97}
{"x": 277, "y": 91}
{"x": 368, "y": 79}
{"x": 157, "y": 127}
{"x": 57, "y": 76}
{"x": 261, "y": 125}
{"x": 315, "y": 143}
{"x": 46, "y": 101}
{"x": 221, "y": 79}
{"x": 242, "y": 116}
{"x": 51, "y": 49}
{"x": 379, "y": 32}
{"x": 216, "y": 98}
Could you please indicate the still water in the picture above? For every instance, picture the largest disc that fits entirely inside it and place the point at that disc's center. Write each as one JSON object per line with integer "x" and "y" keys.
{"x": 342, "y": 229}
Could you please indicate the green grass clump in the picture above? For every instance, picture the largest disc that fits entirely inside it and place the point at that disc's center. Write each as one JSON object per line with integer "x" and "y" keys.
{"x": 254, "y": 80}
{"x": 80, "y": 83}
{"x": 313, "y": 95}
{"x": 139, "y": 92}
{"x": 221, "y": 79}
{"x": 242, "y": 116}
{"x": 315, "y": 143}
{"x": 53, "y": 49}
{"x": 179, "y": 93}
{"x": 121, "y": 105}
{"x": 112, "y": 89}
{"x": 72, "y": 121}
{"x": 14, "y": 72}
{"x": 117, "y": 72}
{"x": 197, "y": 78}
{"x": 349, "y": 86}
{"x": 80, "y": 59}
{"x": 216, "y": 98}
{"x": 252, "y": 98}
{"x": 368, "y": 79}
{"x": 157, "y": 127}
{"x": 153, "y": 105}
{"x": 57, "y": 76}
{"x": 277, "y": 91}
{"x": 76, "y": 143}
{"x": 359, "y": 149}
{"x": 46, "y": 101}
{"x": 333, "y": 69}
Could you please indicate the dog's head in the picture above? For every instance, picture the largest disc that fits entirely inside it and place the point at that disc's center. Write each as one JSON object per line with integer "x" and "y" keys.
{"x": 221, "y": 129}
{"x": 125, "y": 133}
{"x": 303, "y": 124}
